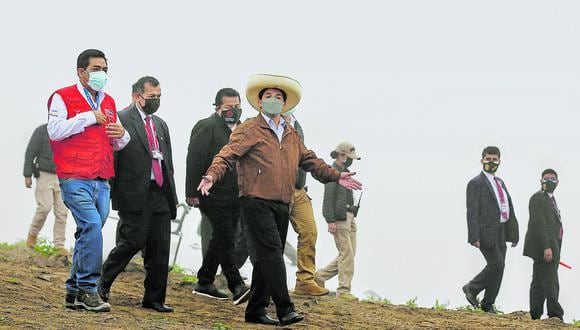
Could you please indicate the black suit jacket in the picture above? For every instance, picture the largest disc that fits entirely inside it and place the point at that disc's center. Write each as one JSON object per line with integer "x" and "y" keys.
{"x": 208, "y": 136}
{"x": 483, "y": 214}
{"x": 543, "y": 228}
{"x": 130, "y": 187}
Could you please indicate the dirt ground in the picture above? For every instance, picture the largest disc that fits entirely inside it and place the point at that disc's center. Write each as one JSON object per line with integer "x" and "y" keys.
{"x": 32, "y": 295}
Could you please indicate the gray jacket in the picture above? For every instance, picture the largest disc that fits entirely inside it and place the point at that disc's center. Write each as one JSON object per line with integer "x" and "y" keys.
{"x": 38, "y": 156}
{"x": 337, "y": 199}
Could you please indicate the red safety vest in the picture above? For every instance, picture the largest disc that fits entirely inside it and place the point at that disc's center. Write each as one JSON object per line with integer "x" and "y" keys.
{"x": 87, "y": 155}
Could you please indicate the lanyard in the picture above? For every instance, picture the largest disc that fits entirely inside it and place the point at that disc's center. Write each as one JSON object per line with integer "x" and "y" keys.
{"x": 90, "y": 99}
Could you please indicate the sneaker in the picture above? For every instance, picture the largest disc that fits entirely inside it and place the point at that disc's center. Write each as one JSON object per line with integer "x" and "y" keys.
{"x": 92, "y": 302}
{"x": 241, "y": 294}
{"x": 209, "y": 291}
{"x": 69, "y": 300}
{"x": 347, "y": 297}
{"x": 103, "y": 293}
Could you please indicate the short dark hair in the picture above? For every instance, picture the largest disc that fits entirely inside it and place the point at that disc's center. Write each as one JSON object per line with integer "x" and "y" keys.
{"x": 549, "y": 171}
{"x": 139, "y": 86}
{"x": 225, "y": 92}
{"x": 265, "y": 89}
{"x": 85, "y": 57}
{"x": 491, "y": 150}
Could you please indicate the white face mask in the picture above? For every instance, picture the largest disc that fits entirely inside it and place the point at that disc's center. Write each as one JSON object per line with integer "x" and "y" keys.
{"x": 272, "y": 106}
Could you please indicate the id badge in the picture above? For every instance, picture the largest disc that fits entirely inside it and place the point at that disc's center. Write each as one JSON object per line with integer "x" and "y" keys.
{"x": 157, "y": 154}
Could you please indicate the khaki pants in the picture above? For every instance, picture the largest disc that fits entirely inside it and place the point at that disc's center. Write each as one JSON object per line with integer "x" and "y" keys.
{"x": 302, "y": 219}
{"x": 343, "y": 264}
{"x": 48, "y": 196}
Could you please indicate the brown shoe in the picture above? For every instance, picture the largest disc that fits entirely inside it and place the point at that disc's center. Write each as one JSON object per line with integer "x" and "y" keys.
{"x": 309, "y": 289}
{"x": 31, "y": 241}
{"x": 61, "y": 251}
{"x": 318, "y": 281}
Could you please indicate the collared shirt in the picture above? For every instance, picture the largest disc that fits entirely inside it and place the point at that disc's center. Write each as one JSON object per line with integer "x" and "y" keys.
{"x": 152, "y": 126}
{"x": 278, "y": 130}
{"x": 506, "y": 207}
{"x": 291, "y": 120}
{"x": 60, "y": 128}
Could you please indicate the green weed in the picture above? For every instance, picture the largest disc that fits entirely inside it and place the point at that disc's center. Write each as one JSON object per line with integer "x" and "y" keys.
{"x": 375, "y": 300}
{"x": 440, "y": 306}
{"x": 220, "y": 326}
{"x": 177, "y": 269}
{"x": 576, "y": 322}
{"x": 412, "y": 303}
{"x": 468, "y": 308}
{"x": 13, "y": 281}
{"x": 189, "y": 279}
{"x": 45, "y": 248}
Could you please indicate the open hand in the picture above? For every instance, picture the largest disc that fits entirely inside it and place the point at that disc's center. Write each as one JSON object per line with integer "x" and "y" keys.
{"x": 346, "y": 180}
{"x": 205, "y": 185}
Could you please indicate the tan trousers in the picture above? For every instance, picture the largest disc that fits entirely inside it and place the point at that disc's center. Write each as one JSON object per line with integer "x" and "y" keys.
{"x": 48, "y": 197}
{"x": 302, "y": 219}
{"x": 343, "y": 264}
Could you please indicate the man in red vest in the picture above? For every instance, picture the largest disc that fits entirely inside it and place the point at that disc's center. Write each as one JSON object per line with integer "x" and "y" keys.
{"x": 84, "y": 131}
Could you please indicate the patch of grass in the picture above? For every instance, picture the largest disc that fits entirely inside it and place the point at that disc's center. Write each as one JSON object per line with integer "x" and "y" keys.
{"x": 468, "y": 308}
{"x": 220, "y": 326}
{"x": 189, "y": 279}
{"x": 412, "y": 303}
{"x": 13, "y": 281}
{"x": 45, "y": 247}
{"x": 8, "y": 246}
{"x": 576, "y": 322}
{"x": 440, "y": 306}
{"x": 177, "y": 269}
{"x": 375, "y": 300}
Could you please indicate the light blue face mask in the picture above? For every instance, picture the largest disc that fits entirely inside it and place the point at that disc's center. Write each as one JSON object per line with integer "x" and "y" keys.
{"x": 272, "y": 106}
{"x": 98, "y": 80}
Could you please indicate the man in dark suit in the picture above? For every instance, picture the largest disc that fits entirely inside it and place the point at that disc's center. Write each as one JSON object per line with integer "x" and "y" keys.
{"x": 543, "y": 244}
{"x": 143, "y": 192}
{"x": 491, "y": 222}
{"x": 222, "y": 205}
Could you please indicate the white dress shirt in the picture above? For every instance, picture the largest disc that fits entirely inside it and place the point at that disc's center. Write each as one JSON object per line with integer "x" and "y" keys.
{"x": 60, "y": 128}
{"x": 506, "y": 206}
{"x": 278, "y": 130}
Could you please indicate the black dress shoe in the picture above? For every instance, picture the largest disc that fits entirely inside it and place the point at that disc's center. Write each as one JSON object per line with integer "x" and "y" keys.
{"x": 264, "y": 319}
{"x": 162, "y": 308}
{"x": 241, "y": 294}
{"x": 490, "y": 310}
{"x": 290, "y": 318}
{"x": 470, "y": 296}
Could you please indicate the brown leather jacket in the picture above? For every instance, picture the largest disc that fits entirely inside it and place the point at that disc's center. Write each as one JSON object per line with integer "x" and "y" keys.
{"x": 266, "y": 167}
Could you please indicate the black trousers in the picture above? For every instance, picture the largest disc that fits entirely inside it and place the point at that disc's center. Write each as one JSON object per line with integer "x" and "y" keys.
{"x": 149, "y": 229}
{"x": 220, "y": 251}
{"x": 489, "y": 279}
{"x": 266, "y": 225}
{"x": 545, "y": 287}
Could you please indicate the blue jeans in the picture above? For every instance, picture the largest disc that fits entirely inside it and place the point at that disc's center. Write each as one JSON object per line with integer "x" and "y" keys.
{"x": 88, "y": 201}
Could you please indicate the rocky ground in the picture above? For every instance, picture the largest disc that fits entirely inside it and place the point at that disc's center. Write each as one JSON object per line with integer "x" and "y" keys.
{"x": 32, "y": 293}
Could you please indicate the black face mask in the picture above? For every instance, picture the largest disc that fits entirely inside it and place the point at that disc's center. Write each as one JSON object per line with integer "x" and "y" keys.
{"x": 231, "y": 116}
{"x": 151, "y": 105}
{"x": 490, "y": 167}
{"x": 348, "y": 162}
{"x": 549, "y": 185}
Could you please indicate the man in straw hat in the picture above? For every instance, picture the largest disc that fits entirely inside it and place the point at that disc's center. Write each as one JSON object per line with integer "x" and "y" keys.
{"x": 339, "y": 211}
{"x": 267, "y": 153}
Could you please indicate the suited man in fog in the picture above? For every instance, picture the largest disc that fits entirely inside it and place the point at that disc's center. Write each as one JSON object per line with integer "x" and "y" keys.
{"x": 143, "y": 192}
{"x": 491, "y": 222}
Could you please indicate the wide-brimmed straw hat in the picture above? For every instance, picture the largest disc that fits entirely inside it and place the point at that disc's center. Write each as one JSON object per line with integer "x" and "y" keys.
{"x": 259, "y": 82}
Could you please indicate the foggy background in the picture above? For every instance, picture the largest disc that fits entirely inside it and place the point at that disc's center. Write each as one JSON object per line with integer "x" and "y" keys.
{"x": 420, "y": 88}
